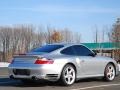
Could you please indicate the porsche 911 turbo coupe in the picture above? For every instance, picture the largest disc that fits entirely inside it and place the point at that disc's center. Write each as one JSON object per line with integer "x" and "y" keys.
{"x": 62, "y": 62}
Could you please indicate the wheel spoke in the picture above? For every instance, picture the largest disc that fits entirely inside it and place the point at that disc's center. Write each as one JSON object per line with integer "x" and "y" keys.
{"x": 71, "y": 76}
{"x": 111, "y": 75}
{"x": 71, "y": 71}
{"x": 108, "y": 74}
{"x": 67, "y": 71}
{"x": 69, "y": 80}
{"x": 66, "y": 76}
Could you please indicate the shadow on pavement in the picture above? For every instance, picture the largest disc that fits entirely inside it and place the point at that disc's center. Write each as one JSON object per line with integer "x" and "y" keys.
{"x": 17, "y": 83}
{"x": 90, "y": 80}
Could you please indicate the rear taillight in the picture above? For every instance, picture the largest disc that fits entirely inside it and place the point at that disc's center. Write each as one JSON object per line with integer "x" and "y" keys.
{"x": 44, "y": 61}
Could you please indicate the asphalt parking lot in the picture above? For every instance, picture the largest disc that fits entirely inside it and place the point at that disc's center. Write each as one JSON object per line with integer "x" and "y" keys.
{"x": 84, "y": 84}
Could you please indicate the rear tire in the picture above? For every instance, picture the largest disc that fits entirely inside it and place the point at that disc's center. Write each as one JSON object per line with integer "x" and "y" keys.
{"x": 68, "y": 75}
{"x": 109, "y": 73}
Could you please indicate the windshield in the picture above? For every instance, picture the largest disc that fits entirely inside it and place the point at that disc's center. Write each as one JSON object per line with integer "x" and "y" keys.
{"x": 47, "y": 48}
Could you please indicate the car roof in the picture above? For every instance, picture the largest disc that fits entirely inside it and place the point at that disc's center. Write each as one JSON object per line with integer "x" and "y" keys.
{"x": 66, "y": 44}
{"x": 69, "y": 44}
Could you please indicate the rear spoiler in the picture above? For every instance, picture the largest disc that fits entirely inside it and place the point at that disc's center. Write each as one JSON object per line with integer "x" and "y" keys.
{"x": 25, "y": 56}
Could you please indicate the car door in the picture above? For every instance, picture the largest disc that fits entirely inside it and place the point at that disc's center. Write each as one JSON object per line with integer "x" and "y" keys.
{"x": 88, "y": 63}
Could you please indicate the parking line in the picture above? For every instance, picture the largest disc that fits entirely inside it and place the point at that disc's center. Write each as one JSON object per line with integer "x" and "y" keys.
{"x": 91, "y": 87}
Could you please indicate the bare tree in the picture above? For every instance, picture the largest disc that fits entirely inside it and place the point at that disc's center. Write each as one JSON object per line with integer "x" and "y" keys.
{"x": 77, "y": 37}
{"x": 67, "y": 35}
{"x": 22, "y": 38}
{"x": 5, "y": 37}
{"x": 96, "y": 35}
{"x": 115, "y": 38}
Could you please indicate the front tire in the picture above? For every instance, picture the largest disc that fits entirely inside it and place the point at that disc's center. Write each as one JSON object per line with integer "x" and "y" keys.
{"x": 68, "y": 75}
{"x": 109, "y": 74}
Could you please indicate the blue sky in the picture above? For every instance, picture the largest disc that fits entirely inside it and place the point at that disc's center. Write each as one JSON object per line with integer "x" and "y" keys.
{"x": 78, "y": 15}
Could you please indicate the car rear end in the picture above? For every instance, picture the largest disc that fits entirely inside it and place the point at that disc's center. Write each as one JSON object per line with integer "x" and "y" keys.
{"x": 34, "y": 67}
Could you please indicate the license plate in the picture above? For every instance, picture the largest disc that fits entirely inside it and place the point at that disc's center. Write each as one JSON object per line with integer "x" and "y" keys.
{"x": 21, "y": 72}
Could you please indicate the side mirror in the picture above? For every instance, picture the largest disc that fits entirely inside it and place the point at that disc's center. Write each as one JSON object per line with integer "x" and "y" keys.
{"x": 93, "y": 54}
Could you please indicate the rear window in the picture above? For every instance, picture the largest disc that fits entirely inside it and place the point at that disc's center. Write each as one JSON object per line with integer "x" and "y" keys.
{"x": 47, "y": 48}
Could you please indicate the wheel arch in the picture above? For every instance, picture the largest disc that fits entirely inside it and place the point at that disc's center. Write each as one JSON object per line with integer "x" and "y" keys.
{"x": 70, "y": 63}
{"x": 61, "y": 78}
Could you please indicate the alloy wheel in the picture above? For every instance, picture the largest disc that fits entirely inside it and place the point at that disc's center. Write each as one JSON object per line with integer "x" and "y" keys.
{"x": 68, "y": 75}
{"x": 110, "y": 72}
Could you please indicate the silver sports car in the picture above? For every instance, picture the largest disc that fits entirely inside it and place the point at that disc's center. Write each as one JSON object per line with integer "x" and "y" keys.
{"x": 62, "y": 62}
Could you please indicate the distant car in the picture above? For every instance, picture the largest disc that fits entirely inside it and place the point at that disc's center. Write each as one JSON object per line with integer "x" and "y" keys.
{"x": 64, "y": 62}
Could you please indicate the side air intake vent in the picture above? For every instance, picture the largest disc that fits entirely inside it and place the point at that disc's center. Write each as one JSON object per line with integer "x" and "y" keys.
{"x": 52, "y": 75}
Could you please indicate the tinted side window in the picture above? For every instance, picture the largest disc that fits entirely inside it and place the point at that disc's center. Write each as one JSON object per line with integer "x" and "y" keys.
{"x": 82, "y": 50}
{"x": 68, "y": 51}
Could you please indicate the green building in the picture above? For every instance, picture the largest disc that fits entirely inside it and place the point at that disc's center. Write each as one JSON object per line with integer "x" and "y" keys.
{"x": 106, "y": 49}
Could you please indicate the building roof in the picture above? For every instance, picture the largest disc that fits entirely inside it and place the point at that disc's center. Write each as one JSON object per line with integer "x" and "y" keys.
{"x": 105, "y": 45}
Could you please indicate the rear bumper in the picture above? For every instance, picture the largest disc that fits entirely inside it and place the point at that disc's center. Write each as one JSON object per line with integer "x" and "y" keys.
{"x": 49, "y": 72}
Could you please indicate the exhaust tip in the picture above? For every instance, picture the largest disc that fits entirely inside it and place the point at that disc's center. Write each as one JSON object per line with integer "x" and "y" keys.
{"x": 11, "y": 77}
{"x": 34, "y": 78}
